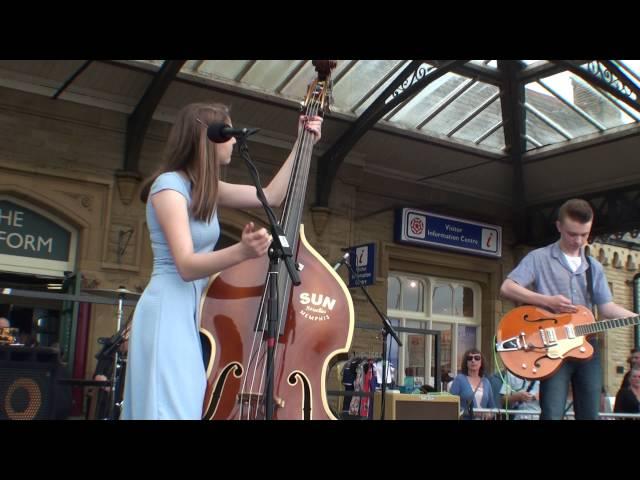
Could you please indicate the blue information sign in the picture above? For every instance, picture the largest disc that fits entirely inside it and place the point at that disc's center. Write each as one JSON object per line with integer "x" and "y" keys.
{"x": 362, "y": 261}
{"x": 418, "y": 227}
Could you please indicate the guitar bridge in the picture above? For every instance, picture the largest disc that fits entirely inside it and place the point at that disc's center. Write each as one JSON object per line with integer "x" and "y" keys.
{"x": 249, "y": 398}
{"x": 256, "y": 399}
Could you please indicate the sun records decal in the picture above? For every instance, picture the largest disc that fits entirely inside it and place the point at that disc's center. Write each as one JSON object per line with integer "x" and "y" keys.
{"x": 317, "y": 306}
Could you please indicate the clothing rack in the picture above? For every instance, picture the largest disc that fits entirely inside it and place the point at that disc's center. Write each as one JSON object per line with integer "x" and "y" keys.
{"x": 346, "y": 396}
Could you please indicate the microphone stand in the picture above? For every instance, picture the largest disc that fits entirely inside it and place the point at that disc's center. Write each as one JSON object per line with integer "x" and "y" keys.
{"x": 279, "y": 250}
{"x": 111, "y": 348}
{"x": 387, "y": 329}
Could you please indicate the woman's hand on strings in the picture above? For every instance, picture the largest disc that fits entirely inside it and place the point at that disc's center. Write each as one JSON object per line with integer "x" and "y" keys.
{"x": 311, "y": 124}
{"x": 255, "y": 243}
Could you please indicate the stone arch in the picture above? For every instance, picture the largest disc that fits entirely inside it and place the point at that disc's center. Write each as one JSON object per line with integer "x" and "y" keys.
{"x": 630, "y": 265}
{"x": 45, "y": 202}
{"x": 602, "y": 257}
{"x": 616, "y": 263}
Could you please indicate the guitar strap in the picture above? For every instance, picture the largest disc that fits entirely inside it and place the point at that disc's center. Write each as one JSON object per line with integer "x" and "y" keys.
{"x": 590, "y": 285}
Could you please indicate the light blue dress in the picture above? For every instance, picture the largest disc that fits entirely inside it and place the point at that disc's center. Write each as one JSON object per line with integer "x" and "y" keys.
{"x": 165, "y": 376}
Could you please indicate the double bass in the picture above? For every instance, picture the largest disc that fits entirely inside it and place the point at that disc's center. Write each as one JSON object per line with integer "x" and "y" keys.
{"x": 315, "y": 319}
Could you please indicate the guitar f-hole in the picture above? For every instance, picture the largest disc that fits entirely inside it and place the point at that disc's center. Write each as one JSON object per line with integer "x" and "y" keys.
{"x": 526, "y": 319}
{"x": 536, "y": 362}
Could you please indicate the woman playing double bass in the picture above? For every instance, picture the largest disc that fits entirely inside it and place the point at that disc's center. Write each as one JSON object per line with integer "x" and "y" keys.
{"x": 166, "y": 378}
{"x": 269, "y": 339}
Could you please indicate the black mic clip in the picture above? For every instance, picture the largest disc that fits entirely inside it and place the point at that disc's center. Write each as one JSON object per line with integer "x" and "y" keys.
{"x": 221, "y": 132}
{"x": 344, "y": 259}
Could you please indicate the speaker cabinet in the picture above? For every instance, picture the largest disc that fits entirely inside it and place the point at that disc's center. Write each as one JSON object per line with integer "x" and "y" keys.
{"x": 27, "y": 382}
{"x": 403, "y": 406}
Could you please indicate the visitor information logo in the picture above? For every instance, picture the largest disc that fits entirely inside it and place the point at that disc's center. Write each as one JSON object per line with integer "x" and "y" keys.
{"x": 418, "y": 227}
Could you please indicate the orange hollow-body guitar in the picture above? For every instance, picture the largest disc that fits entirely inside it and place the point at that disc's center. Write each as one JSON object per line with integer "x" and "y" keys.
{"x": 533, "y": 342}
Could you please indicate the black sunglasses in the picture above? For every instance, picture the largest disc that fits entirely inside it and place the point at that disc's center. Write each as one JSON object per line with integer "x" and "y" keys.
{"x": 477, "y": 358}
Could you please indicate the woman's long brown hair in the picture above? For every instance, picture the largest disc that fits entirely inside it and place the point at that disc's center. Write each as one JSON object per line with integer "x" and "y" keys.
{"x": 189, "y": 151}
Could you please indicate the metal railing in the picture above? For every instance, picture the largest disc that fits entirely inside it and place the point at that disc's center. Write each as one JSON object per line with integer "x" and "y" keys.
{"x": 502, "y": 414}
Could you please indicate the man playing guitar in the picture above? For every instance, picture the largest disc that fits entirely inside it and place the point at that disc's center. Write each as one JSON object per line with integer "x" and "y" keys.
{"x": 555, "y": 278}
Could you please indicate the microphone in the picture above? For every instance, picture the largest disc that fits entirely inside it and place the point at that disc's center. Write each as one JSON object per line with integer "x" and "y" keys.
{"x": 221, "y": 132}
{"x": 344, "y": 258}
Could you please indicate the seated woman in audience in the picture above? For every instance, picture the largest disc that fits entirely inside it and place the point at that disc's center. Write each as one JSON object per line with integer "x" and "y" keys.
{"x": 628, "y": 399}
{"x": 471, "y": 384}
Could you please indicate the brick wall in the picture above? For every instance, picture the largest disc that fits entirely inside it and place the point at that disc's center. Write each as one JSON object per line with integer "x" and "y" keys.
{"x": 620, "y": 265}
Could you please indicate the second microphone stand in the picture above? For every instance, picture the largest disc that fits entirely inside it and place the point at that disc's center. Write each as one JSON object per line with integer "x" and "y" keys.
{"x": 279, "y": 250}
{"x": 387, "y": 329}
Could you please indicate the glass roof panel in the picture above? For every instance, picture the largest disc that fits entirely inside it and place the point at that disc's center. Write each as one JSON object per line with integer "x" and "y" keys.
{"x": 630, "y": 112}
{"x": 153, "y": 62}
{"x": 558, "y": 107}
{"x": 361, "y": 78}
{"x": 558, "y": 111}
{"x": 589, "y": 99}
{"x": 631, "y": 68}
{"x": 486, "y": 63}
{"x": 495, "y": 140}
{"x": 372, "y": 95}
{"x": 227, "y": 69}
{"x": 461, "y": 108}
{"x": 543, "y": 133}
{"x": 418, "y": 108}
{"x": 479, "y": 126}
{"x": 269, "y": 74}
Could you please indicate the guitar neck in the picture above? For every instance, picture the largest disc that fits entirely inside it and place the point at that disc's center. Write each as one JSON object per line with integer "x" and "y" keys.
{"x": 606, "y": 325}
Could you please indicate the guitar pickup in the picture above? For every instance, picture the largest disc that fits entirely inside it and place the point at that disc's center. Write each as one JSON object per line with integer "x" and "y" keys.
{"x": 543, "y": 337}
{"x": 570, "y": 331}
